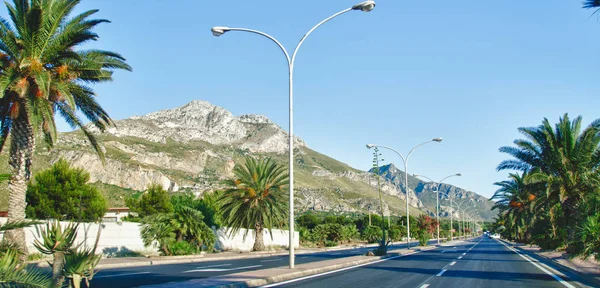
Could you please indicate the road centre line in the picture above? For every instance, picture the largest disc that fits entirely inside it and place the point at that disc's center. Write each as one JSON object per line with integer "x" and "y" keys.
{"x": 117, "y": 275}
{"x": 460, "y": 257}
{"x": 221, "y": 269}
{"x": 441, "y": 272}
{"x": 453, "y": 262}
{"x": 211, "y": 266}
{"x": 271, "y": 260}
{"x": 535, "y": 263}
{"x": 424, "y": 286}
{"x": 335, "y": 271}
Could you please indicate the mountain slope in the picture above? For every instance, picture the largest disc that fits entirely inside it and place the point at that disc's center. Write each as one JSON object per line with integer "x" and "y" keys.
{"x": 425, "y": 192}
{"x": 193, "y": 147}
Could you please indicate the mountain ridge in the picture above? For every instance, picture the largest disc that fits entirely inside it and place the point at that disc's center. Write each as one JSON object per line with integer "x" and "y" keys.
{"x": 194, "y": 146}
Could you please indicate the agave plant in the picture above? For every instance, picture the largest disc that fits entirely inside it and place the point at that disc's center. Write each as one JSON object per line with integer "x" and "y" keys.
{"x": 57, "y": 242}
{"x": 11, "y": 272}
{"x": 80, "y": 265}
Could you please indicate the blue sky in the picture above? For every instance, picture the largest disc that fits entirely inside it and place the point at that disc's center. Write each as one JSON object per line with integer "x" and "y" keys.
{"x": 469, "y": 71}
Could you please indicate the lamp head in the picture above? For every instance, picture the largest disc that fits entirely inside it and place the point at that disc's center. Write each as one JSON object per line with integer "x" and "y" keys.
{"x": 439, "y": 139}
{"x": 219, "y": 30}
{"x": 371, "y": 146}
{"x": 458, "y": 174}
{"x": 365, "y": 6}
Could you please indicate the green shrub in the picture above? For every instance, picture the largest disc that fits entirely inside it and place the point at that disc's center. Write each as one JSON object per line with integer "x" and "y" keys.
{"x": 330, "y": 243}
{"x": 349, "y": 233}
{"x": 182, "y": 248}
{"x": 372, "y": 234}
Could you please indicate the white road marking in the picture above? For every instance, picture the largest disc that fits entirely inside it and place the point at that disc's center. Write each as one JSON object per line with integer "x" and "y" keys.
{"x": 443, "y": 251}
{"x": 221, "y": 269}
{"x": 453, "y": 262}
{"x": 424, "y": 286}
{"x": 460, "y": 257}
{"x": 211, "y": 266}
{"x": 535, "y": 263}
{"x": 441, "y": 272}
{"x": 338, "y": 253}
{"x": 464, "y": 253}
{"x": 117, "y": 275}
{"x": 335, "y": 271}
{"x": 271, "y": 260}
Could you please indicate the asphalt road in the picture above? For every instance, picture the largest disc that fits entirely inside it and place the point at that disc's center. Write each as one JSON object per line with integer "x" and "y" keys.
{"x": 481, "y": 262}
{"x": 156, "y": 274}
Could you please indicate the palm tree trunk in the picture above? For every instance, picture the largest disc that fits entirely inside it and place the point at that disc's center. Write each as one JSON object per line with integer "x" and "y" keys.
{"x": 259, "y": 243}
{"x": 57, "y": 266}
{"x": 21, "y": 149}
{"x": 570, "y": 207}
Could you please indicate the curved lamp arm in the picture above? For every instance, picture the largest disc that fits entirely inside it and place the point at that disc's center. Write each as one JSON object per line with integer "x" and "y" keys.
{"x": 217, "y": 31}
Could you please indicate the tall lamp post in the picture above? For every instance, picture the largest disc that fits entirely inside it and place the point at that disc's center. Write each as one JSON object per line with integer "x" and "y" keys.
{"x": 465, "y": 215}
{"x": 437, "y": 198}
{"x": 405, "y": 161}
{"x": 459, "y": 214}
{"x": 217, "y": 31}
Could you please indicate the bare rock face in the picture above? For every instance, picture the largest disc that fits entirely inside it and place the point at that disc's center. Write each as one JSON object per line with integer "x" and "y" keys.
{"x": 116, "y": 172}
{"x": 200, "y": 120}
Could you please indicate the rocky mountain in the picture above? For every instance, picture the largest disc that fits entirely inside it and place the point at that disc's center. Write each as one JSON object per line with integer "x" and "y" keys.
{"x": 425, "y": 192}
{"x": 193, "y": 147}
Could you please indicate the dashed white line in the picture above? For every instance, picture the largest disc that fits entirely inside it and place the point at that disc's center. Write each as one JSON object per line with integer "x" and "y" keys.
{"x": 464, "y": 253}
{"x": 453, "y": 262}
{"x": 460, "y": 257}
{"x": 441, "y": 272}
{"x": 424, "y": 286}
{"x": 118, "y": 275}
{"x": 335, "y": 271}
{"x": 271, "y": 260}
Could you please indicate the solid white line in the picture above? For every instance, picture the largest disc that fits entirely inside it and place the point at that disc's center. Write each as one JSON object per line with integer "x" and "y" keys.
{"x": 117, "y": 275}
{"x": 441, "y": 272}
{"x": 271, "y": 260}
{"x": 335, "y": 271}
{"x": 424, "y": 286}
{"x": 535, "y": 263}
{"x": 453, "y": 262}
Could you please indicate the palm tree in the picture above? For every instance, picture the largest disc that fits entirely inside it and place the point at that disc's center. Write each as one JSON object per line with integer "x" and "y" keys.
{"x": 591, "y": 4}
{"x": 41, "y": 74}
{"x": 565, "y": 159}
{"x": 256, "y": 199}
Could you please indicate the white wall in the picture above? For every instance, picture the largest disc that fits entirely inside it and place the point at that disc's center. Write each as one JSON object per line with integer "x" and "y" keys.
{"x": 125, "y": 236}
{"x": 115, "y": 237}
{"x": 238, "y": 243}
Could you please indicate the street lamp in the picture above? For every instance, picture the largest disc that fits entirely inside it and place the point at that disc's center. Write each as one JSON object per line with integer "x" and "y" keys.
{"x": 459, "y": 215}
{"x": 465, "y": 215}
{"x": 405, "y": 161}
{"x": 217, "y": 31}
{"x": 437, "y": 197}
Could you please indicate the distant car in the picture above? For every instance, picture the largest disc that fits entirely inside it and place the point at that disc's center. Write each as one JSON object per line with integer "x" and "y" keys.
{"x": 496, "y": 236}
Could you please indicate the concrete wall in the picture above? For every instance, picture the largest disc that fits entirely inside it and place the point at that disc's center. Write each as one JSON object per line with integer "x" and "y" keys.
{"x": 121, "y": 237}
{"x": 238, "y": 243}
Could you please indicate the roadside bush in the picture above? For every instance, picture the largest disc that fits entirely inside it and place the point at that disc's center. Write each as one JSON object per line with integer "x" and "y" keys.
{"x": 372, "y": 234}
{"x": 394, "y": 234}
{"x": 589, "y": 237}
{"x": 329, "y": 243}
{"x": 349, "y": 233}
{"x": 182, "y": 248}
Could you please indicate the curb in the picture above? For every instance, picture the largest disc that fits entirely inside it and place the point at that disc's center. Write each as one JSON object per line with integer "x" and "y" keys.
{"x": 557, "y": 265}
